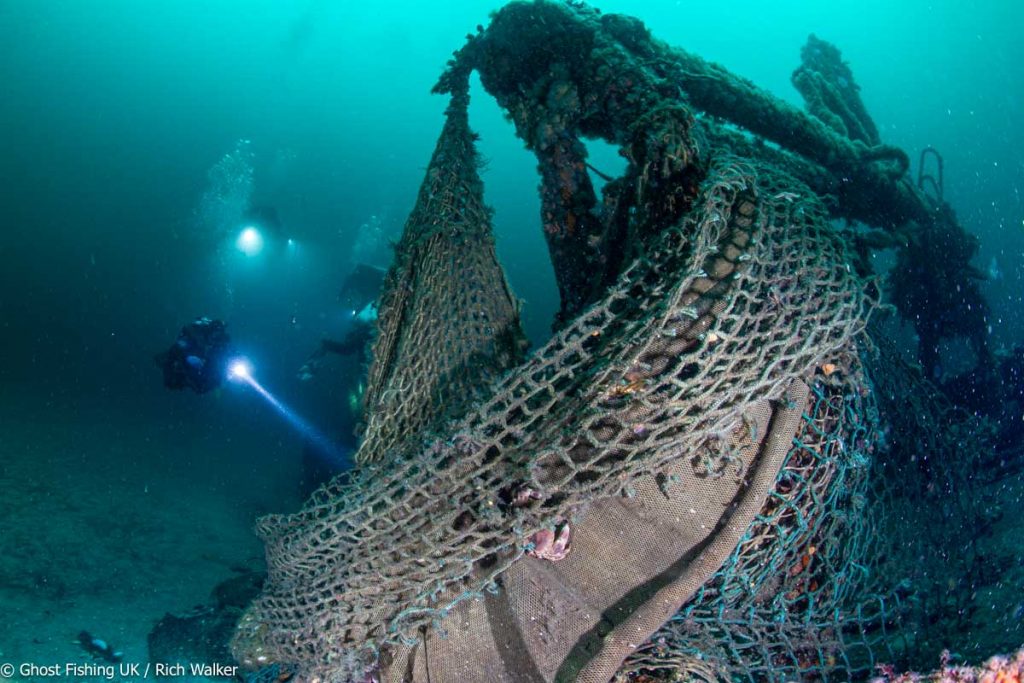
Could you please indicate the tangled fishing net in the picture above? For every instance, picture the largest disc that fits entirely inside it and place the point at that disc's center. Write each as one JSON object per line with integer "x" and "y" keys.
{"x": 658, "y": 399}
{"x": 685, "y": 479}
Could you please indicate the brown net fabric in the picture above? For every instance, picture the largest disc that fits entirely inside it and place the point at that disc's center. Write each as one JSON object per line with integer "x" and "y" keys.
{"x": 679, "y": 386}
{"x": 447, "y": 320}
{"x": 633, "y": 561}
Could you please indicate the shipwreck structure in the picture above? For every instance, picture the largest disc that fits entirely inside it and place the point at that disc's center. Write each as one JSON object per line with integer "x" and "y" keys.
{"x": 688, "y": 478}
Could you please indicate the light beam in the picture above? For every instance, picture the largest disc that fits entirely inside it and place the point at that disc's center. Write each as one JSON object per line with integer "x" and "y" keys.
{"x": 240, "y": 370}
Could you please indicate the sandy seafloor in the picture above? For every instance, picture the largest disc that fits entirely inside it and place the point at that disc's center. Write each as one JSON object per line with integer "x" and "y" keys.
{"x": 109, "y": 519}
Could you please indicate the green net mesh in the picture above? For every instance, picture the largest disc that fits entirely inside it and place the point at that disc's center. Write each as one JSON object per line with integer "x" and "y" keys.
{"x": 938, "y": 495}
{"x": 864, "y": 554}
{"x": 795, "y": 599}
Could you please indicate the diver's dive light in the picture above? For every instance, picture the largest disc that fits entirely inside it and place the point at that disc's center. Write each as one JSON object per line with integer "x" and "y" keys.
{"x": 240, "y": 370}
{"x": 250, "y": 241}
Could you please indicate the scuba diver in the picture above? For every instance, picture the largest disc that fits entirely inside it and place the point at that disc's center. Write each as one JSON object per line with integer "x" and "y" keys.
{"x": 199, "y": 357}
{"x": 355, "y": 342}
{"x": 361, "y": 287}
{"x": 358, "y": 295}
{"x": 266, "y": 219}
